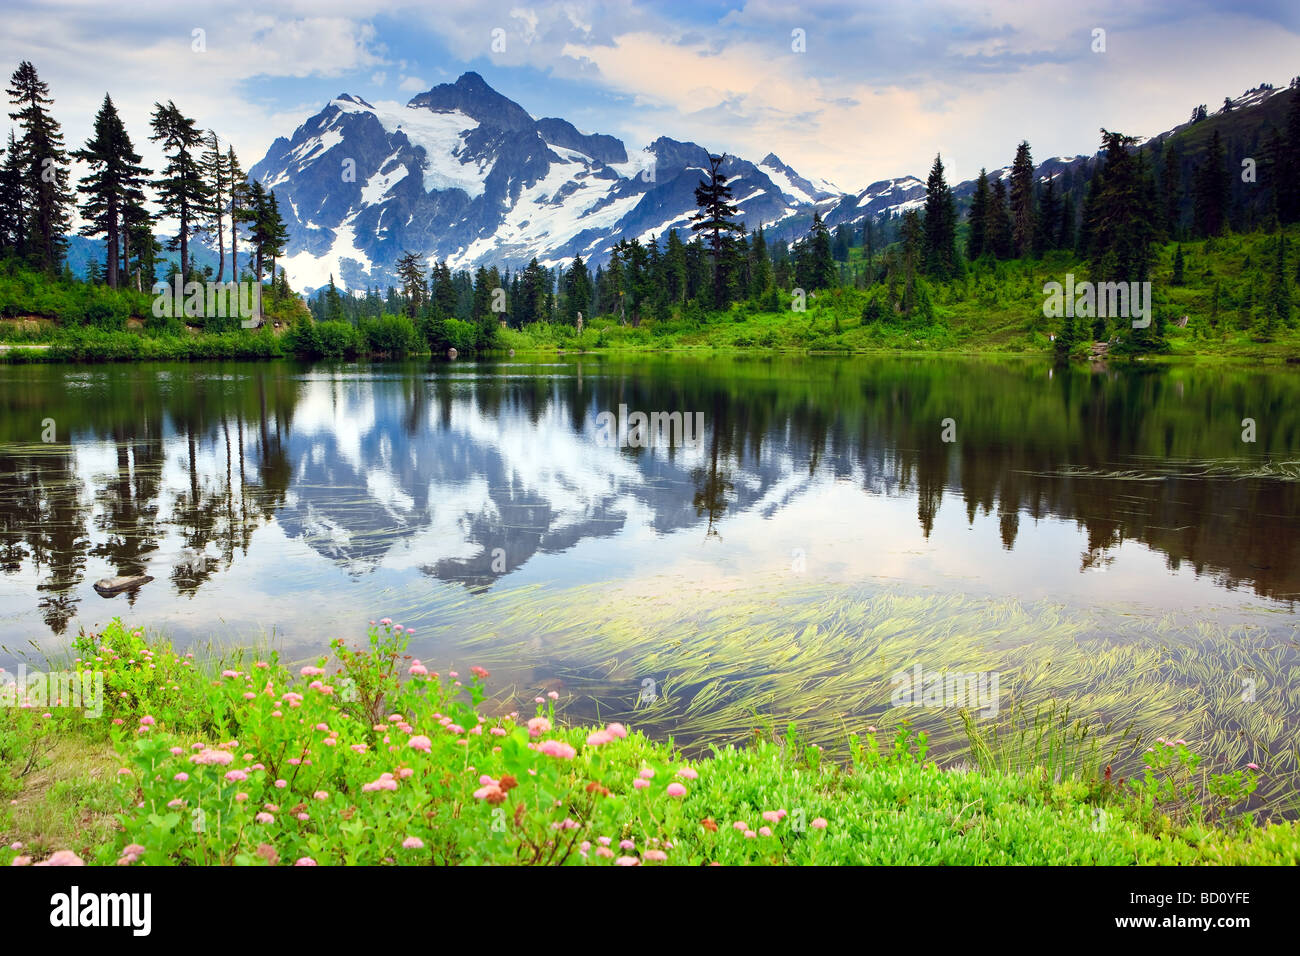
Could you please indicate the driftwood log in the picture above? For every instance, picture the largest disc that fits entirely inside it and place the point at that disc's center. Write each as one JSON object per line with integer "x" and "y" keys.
{"x": 107, "y": 587}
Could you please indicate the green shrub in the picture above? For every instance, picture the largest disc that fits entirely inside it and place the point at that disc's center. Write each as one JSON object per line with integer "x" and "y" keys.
{"x": 393, "y": 335}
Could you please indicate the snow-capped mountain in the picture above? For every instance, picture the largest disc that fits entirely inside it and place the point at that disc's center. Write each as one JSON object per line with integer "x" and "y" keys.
{"x": 464, "y": 173}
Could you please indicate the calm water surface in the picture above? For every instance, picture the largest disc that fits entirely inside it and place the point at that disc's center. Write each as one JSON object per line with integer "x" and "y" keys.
{"x": 476, "y": 503}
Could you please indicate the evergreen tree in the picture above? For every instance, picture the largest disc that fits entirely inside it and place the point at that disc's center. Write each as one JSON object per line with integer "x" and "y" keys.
{"x": 997, "y": 229}
{"x": 241, "y": 213}
{"x": 843, "y": 241}
{"x": 674, "y": 269}
{"x": 11, "y": 200}
{"x": 182, "y": 192}
{"x": 821, "y": 262}
{"x": 216, "y": 172}
{"x": 978, "y": 218}
{"x": 714, "y": 217}
{"x": 444, "y": 291}
{"x": 270, "y": 231}
{"x": 1288, "y": 171}
{"x": 257, "y": 220}
{"x": 116, "y": 179}
{"x": 913, "y": 238}
{"x": 410, "y": 272}
{"x": 1122, "y": 226}
{"x": 1211, "y": 190}
{"x": 483, "y": 293}
{"x": 1048, "y": 221}
{"x": 868, "y": 247}
{"x": 140, "y": 247}
{"x": 333, "y": 301}
{"x": 1177, "y": 277}
{"x": 577, "y": 291}
{"x": 1022, "y": 202}
{"x": 1277, "y": 297}
{"x": 697, "y": 270}
{"x": 760, "y": 269}
{"x": 44, "y": 172}
{"x": 1083, "y": 237}
{"x": 1065, "y": 234}
{"x": 940, "y": 227}
{"x": 1171, "y": 187}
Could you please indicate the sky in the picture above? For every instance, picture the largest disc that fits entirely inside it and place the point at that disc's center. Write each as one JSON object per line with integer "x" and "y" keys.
{"x": 850, "y": 92}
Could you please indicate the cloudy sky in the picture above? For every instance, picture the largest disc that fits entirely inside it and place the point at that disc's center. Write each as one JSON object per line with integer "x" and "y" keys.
{"x": 876, "y": 90}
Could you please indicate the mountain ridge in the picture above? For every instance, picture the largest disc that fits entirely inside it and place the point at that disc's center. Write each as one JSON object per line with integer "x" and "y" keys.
{"x": 463, "y": 173}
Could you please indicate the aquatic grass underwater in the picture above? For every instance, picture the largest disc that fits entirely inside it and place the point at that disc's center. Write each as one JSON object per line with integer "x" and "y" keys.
{"x": 822, "y": 658}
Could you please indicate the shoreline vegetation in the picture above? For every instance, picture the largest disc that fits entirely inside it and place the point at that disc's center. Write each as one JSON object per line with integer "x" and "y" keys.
{"x": 367, "y": 756}
{"x": 1211, "y": 309}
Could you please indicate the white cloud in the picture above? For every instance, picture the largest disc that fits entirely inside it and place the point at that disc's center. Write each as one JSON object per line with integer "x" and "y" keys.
{"x": 881, "y": 89}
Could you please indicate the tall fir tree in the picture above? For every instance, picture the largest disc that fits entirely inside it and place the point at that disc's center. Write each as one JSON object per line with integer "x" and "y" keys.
{"x": 11, "y": 200}
{"x": 868, "y": 248}
{"x": 978, "y": 217}
{"x": 997, "y": 229}
{"x": 940, "y": 226}
{"x": 577, "y": 291}
{"x": 1065, "y": 233}
{"x": 760, "y": 270}
{"x": 182, "y": 192}
{"x": 1276, "y": 307}
{"x": 1211, "y": 190}
{"x": 913, "y": 256}
{"x": 714, "y": 217}
{"x": 242, "y": 214}
{"x": 216, "y": 172}
{"x": 140, "y": 248}
{"x": 116, "y": 181}
{"x": 1288, "y": 174}
{"x": 410, "y": 273}
{"x": 1022, "y": 202}
{"x": 444, "y": 291}
{"x": 44, "y": 165}
{"x": 1122, "y": 216}
{"x": 256, "y": 217}
{"x": 1048, "y": 220}
{"x": 674, "y": 269}
{"x": 272, "y": 231}
{"x": 1171, "y": 189}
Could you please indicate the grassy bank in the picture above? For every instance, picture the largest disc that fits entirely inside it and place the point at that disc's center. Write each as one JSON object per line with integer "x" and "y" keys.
{"x": 1209, "y": 304}
{"x": 1208, "y": 301}
{"x": 240, "y": 761}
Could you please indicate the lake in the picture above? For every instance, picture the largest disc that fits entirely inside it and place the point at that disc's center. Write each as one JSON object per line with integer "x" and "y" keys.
{"x": 1102, "y": 539}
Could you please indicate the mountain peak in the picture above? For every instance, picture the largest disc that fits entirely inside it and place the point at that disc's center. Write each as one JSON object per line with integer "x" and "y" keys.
{"x": 469, "y": 80}
{"x": 471, "y": 95}
{"x": 352, "y": 98}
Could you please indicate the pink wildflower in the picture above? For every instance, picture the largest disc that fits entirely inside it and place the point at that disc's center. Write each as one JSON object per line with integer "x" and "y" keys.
{"x": 556, "y": 748}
